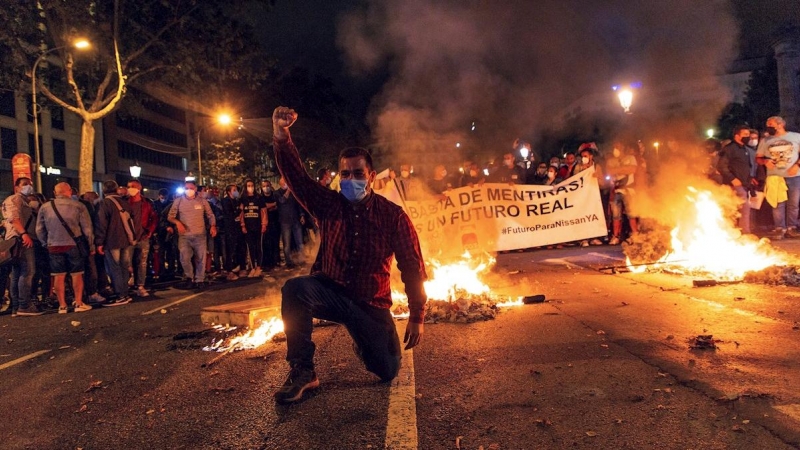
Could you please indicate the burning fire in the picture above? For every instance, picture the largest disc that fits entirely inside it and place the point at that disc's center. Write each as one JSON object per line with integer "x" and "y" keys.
{"x": 250, "y": 339}
{"x": 707, "y": 243}
{"x": 448, "y": 281}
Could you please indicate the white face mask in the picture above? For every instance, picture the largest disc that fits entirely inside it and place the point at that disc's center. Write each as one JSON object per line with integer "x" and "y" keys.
{"x": 132, "y": 192}
{"x": 190, "y": 193}
{"x": 26, "y": 190}
{"x": 616, "y": 153}
{"x": 584, "y": 160}
{"x": 551, "y": 175}
{"x": 404, "y": 173}
{"x": 753, "y": 143}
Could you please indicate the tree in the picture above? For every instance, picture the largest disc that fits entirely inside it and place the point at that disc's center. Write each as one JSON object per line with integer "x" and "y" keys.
{"x": 762, "y": 98}
{"x": 193, "y": 46}
{"x": 224, "y": 164}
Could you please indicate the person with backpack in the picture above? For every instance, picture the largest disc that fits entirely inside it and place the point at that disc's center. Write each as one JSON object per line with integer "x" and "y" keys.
{"x": 115, "y": 238}
{"x": 189, "y": 214}
{"x": 65, "y": 228}
{"x": 20, "y": 223}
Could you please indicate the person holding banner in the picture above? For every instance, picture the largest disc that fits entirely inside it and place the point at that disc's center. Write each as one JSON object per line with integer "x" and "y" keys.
{"x": 361, "y": 232}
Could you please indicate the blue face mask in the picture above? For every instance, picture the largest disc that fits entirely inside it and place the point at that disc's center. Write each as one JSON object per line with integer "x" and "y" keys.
{"x": 354, "y": 190}
{"x": 235, "y": 194}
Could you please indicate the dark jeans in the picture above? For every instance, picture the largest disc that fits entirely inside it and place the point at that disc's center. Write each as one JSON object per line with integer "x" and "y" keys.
{"x": 231, "y": 242}
{"x": 372, "y": 328}
{"x": 272, "y": 245}
{"x": 253, "y": 240}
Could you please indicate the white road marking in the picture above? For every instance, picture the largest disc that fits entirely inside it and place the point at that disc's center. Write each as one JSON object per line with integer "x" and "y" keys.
{"x": 23, "y": 359}
{"x": 401, "y": 426}
{"x": 172, "y": 304}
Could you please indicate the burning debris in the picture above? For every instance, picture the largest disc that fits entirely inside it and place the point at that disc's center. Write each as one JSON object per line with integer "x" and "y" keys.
{"x": 704, "y": 243}
{"x": 462, "y": 307}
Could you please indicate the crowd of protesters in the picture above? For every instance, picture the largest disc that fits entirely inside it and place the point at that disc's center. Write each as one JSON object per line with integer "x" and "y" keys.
{"x": 115, "y": 246}
{"x": 112, "y": 245}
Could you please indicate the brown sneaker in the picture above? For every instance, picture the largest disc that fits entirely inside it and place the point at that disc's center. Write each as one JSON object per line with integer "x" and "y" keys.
{"x": 298, "y": 381}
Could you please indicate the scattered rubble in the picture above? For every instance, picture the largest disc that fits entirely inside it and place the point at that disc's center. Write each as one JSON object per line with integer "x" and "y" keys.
{"x": 703, "y": 342}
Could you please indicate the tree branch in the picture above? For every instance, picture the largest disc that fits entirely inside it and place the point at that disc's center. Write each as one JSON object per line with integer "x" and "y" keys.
{"x": 156, "y": 36}
{"x": 148, "y": 70}
{"x": 101, "y": 90}
{"x": 68, "y": 66}
{"x": 43, "y": 89}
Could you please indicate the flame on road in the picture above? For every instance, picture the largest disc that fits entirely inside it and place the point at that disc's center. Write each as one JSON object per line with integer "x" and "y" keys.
{"x": 248, "y": 340}
{"x": 706, "y": 243}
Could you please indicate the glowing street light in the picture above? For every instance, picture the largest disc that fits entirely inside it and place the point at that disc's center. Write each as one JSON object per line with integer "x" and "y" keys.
{"x": 625, "y": 99}
{"x": 222, "y": 119}
{"x": 80, "y": 44}
{"x": 710, "y": 133}
{"x": 136, "y": 170}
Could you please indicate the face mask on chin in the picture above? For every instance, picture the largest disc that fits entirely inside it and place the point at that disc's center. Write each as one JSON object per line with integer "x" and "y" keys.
{"x": 354, "y": 190}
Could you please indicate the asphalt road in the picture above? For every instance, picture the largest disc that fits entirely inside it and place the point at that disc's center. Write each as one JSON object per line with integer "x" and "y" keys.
{"x": 605, "y": 363}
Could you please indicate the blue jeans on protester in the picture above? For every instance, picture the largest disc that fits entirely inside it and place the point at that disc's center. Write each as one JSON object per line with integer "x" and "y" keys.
{"x": 785, "y": 215}
{"x": 371, "y": 328}
{"x": 118, "y": 262}
{"x": 292, "y": 232}
{"x": 22, "y": 277}
{"x": 189, "y": 246}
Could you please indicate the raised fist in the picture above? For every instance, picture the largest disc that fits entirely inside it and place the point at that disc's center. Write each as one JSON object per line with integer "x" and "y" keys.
{"x": 282, "y": 119}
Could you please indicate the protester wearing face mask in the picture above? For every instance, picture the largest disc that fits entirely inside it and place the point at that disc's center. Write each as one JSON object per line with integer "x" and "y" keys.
{"x": 538, "y": 176}
{"x": 552, "y": 177}
{"x": 113, "y": 236}
{"x": 471, "y": 176}
{"x": 349, "y": 282}
{"x": 232, "y": 240}
{"x": 509, "y": 172}
{"x": 189, "y": 214}
{"x": 272, "y": 238}
{"x": 440, "y": 182}
{"x": 779, "y": 152}
{"x": 407, "y": 183}
{"x": 253, "y": 210}
{"x": 145, "y": 221}
{"x": 165, "y": 247}
{"x": 20, "y": 223}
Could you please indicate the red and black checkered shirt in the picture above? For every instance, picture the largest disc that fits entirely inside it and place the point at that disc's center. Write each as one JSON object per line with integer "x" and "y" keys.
{"x": 358, "y": 241}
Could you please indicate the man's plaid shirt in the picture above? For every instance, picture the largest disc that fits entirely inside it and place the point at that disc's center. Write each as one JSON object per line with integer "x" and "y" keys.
{"x": 357, "y": 241}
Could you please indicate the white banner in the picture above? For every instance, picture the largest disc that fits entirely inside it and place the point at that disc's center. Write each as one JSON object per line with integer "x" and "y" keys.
{"x": 496, "y": 217}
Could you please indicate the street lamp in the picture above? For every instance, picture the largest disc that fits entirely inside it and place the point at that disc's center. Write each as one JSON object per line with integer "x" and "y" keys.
{"x": 626, "y": 99}
{"x": 710, "y": 133}
{"x": 222, "y": 119}
{"x": 80, "y": 44}
{"x": 136, "y": 170}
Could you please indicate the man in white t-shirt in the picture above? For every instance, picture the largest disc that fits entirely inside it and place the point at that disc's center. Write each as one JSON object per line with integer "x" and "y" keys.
{"x": 779, "y": 153}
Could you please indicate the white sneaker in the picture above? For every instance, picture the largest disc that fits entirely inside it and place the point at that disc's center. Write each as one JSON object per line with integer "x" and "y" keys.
{"x": 82, "y": 308}
{"x": 614, "y": 241}
{"x": 142, "y": 292}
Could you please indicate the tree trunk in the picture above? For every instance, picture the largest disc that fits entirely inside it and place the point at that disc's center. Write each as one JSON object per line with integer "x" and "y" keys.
{"x": 86, "y": 168}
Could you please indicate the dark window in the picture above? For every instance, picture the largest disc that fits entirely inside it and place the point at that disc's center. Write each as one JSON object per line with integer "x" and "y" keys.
{"x": 59, "y": 153}
{"x": 8, "y": 142}
{"x": 7, "y": 105}
{"x": 152, "y": 104}
{"x": 152, "y": 130}
{"x": 31, "y": 149}
{"x": 135, "y": 152}
{"x": 57, "y": 118}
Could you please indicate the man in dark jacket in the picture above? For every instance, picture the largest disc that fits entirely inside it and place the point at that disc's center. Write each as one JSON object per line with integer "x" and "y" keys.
{"x": 112, "y": 240}
{"x": 145, "y": 221}
{"x": 735, "y": 166}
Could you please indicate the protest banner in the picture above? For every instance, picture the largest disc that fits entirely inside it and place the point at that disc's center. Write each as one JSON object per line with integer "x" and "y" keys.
{"x": 495, "y": 217}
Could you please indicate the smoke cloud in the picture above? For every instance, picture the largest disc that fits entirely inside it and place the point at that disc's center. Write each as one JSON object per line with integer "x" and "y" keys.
{"x": 511, "y": 66}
